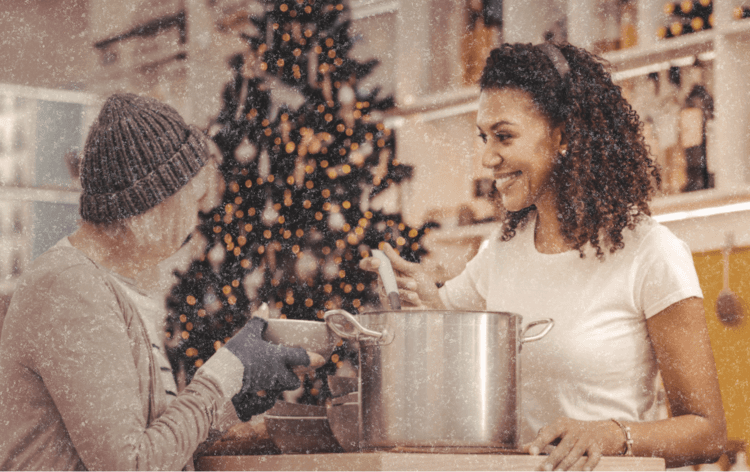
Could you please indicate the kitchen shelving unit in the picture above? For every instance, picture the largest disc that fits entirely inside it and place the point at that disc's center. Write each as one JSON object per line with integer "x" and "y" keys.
{"x": 436, "y": 130}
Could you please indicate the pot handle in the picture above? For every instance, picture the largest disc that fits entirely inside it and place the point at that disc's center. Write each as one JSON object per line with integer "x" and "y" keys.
{"x": 346, "y": 326}
{"x": 548, "y": 321}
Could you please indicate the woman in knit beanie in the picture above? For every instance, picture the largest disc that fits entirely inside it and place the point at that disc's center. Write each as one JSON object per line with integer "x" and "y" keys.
{"x": 84, "y": 381}
{"x": 144, "y": 181}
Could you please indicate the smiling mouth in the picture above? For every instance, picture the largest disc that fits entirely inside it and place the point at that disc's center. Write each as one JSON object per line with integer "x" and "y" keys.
{"x": 504, "y": 181}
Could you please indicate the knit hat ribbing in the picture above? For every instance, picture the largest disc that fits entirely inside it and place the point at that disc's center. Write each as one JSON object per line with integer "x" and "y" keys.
{"x": 138, "y": 152}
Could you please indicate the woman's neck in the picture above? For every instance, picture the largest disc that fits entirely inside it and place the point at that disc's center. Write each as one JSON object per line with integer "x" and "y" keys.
{"x": 123, "y": 253}
{"x": 548, "y": 238}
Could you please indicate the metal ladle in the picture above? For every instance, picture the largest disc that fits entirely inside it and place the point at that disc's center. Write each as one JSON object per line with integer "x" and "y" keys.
{"x": 729, "y": 306}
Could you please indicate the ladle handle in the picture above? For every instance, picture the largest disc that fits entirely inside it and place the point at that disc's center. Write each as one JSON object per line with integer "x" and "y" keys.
{"x": 725, "y": 252}
{"x": 548, "y": 321}
{"x": 358, "y": 331}
{"x": 389, "y": 279}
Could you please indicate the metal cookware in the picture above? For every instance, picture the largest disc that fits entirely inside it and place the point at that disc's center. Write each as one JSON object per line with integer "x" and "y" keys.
{"x": 438, "y": 379}
{"x": 300, "y": 429}
{"x": 340, "y": 386}
{"x": 343, "y": 417}
{"x": 313, "y": 336}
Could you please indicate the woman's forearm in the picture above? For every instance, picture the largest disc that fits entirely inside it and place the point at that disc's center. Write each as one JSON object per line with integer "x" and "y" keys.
{"x": 683, "y": 440}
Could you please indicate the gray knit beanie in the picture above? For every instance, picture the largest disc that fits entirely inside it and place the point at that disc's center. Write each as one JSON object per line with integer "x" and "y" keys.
{"x": 138, "y": 152}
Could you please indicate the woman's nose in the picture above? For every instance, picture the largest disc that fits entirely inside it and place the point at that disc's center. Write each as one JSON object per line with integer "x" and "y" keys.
{"x": 490, "y": 159}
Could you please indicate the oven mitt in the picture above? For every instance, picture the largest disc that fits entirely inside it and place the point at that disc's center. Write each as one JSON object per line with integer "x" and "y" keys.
{"x": 267, "y": 366}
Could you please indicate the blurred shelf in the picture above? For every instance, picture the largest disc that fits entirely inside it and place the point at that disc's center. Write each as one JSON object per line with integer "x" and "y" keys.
{"x": 736, "y": 27}
{"x": 700, "y": 199}
{"x": 661, "y": 51}
{"x": 367, "y": 8}
{"x": 453, "y": 234}
{"x": 439, "y": 105}
{"x": 34, "y": 194}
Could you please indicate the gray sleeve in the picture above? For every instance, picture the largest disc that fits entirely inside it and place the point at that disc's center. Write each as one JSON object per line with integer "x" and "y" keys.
{"x": 86, "y": 362}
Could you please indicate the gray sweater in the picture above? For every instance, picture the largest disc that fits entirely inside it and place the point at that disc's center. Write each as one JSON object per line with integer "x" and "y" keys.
{"x": 79, "y": 388}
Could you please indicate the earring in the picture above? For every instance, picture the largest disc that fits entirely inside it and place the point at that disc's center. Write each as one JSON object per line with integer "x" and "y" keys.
{"x": 564, "y": 152}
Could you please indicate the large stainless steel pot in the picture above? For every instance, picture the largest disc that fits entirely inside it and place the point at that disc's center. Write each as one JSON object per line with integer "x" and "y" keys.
{"x": 437, "y": 379}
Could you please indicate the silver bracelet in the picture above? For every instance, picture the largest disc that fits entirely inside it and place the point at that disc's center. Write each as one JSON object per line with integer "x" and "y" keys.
{"x": 628, "y": 438}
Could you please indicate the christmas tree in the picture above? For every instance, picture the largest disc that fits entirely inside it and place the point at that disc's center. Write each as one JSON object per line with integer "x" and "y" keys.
{"x": 301, "y": 174}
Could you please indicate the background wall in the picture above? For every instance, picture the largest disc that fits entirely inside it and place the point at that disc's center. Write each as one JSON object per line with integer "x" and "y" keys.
{"x": 44, "y": 43}
{"x": 731, "y": 346}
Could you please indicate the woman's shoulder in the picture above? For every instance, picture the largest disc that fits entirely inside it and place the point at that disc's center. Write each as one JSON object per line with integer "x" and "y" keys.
{"x": 58, "y": 261}
{"x": 650, "y": 239}
{"x": 60, "y": 270}
{"x": 60, "y": 286}
{"x": 498, "y": 243}
{"x": 649, "y": 231}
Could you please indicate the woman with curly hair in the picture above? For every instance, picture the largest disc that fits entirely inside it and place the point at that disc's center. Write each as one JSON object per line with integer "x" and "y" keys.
{"x": 577, "y": 244}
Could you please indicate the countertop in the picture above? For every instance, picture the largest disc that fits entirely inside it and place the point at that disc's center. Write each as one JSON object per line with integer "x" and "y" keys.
{"x": 406, "y": 461}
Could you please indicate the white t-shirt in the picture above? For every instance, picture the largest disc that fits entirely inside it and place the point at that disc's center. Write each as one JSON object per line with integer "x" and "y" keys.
{"x": 597, "y": 362}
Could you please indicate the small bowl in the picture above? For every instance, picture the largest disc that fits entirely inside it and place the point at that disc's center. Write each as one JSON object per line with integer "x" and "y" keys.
{"x": 310, "y": 335}
{"x": 296, "y": 428}
{"x": 282, "y": 408}
{"x": 341, "y": 386}
{"x": 302, "y": 434}
{"x": 343, "y": 417}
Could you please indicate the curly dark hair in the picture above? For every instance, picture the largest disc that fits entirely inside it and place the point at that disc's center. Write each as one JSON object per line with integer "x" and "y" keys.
{"x": 606, "y": 179}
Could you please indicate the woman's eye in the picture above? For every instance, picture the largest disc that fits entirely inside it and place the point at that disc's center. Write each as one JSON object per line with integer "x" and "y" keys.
{"x": 502, "y": 136}
{"x": 483, "y": 137}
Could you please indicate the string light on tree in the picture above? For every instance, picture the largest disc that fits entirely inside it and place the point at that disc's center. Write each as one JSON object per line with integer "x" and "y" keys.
{"x": 297, "y": 216}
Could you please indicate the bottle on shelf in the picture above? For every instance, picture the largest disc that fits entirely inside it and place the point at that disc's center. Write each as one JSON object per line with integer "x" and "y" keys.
{"x": 698, "y": 108}
{"x": 740, "y": 12}
{"x": 666, "y": 108}
{"x": 697, "y": 8}
{"x": 478, "y": 40}
{"x": 628, "y": 24}
{"x": 664, "y": 32}
{"x": 672, "y": 9}
{"x": 689, "y": 8}
{"x": 689, "y": 16}
{"x": 679, "y": 28}
{"x": 698, "y": 24}
{"x": 609, "y": 27}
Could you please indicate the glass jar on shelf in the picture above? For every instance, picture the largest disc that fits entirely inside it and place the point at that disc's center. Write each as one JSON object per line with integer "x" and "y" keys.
{"x": 676, "y": 107}
{"x": 696, "y": 112}
{"x": 478, "y": 39}
{"x": 618, "y": 25}
{"x": 608, "y": 16}
{"x": 628, "y": 24}
{"x": 685, "y": 17}
{"x": 741, "y": 11}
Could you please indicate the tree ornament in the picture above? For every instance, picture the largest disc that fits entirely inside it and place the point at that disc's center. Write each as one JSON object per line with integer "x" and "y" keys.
{"x": 298, "y": 214}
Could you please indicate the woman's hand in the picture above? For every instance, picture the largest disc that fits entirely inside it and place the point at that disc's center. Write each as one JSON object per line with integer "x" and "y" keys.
{"x": 576, "y": 445}
{"x": 416, "y": 287}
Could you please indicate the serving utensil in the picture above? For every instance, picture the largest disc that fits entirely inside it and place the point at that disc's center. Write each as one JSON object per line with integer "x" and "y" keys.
{"x": 729, "y": 307}
{"x": 389, "y": 279}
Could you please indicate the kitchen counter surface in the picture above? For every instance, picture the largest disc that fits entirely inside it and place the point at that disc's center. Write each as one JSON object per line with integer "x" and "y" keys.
{"x": 406, "y": 461}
